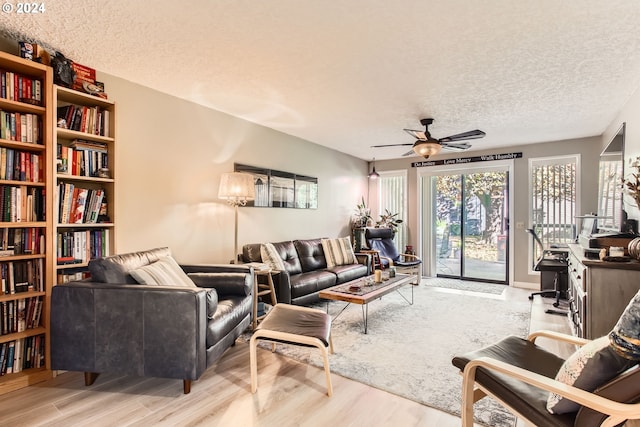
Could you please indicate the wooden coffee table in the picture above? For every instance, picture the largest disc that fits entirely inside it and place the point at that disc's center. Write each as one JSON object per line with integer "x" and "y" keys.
{"x": 362, "y": 291}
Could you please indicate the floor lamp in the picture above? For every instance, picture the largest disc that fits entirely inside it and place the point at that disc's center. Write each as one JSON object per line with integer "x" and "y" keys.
{"x": 236, "y": 188}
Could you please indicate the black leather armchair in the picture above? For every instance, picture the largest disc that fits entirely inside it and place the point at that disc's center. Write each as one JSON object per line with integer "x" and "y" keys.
{"x": 381, "y": 240}
{"x": 519, "y": 374}
{"x": 112, "y": 324}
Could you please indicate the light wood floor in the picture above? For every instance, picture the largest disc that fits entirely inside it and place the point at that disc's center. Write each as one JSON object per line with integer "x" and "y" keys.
{"x": 289, "y": 394}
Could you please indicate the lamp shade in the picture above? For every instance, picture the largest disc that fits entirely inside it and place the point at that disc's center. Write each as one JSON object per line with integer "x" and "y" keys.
{"x": 426, "y": 148}
{"x": 236, "y": 188}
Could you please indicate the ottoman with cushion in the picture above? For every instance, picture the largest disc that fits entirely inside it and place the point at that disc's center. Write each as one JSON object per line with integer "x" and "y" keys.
{"x": 291, "y": 324}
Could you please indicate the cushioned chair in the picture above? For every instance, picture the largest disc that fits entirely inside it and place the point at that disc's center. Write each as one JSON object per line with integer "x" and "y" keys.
{"x": 124, "y": 321}
{"x": 520, "y": 375}
{"x": 381, "y": 240}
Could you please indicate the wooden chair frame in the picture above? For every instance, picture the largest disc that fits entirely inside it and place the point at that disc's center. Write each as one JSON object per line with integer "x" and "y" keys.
{"x": 471, "y": 392}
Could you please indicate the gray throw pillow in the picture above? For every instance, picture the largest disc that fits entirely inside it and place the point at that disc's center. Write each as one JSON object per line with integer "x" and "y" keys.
{"x": 588, "y": 368}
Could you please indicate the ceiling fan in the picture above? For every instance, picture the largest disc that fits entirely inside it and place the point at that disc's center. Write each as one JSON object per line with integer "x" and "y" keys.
{"x": 427, "y": 146}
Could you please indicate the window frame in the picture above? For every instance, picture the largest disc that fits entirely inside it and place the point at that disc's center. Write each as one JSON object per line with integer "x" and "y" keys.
{"x": 549, "y": 161}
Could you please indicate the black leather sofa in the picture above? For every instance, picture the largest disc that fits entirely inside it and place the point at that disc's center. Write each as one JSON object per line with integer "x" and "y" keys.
{"x": 112, "y": 324}
{"x": 306, "y": 272}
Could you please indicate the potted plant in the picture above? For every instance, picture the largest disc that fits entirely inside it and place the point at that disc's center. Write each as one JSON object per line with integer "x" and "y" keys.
{"x": 633, "y": 185}
{"x": 389, "y": 220}
{"x": 362, "y": 216}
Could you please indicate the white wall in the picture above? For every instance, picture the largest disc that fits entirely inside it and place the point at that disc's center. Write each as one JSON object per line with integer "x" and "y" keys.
{"x": 170, "y": 155}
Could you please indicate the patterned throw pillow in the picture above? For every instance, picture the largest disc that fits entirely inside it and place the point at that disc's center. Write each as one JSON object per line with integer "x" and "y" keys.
{"x": 625, "y": 336}
{"x": 164, "y": 272}
{"x": 589, "y": 367}
{"x": 338, "y": 251}
{"x": 270, "y": 256}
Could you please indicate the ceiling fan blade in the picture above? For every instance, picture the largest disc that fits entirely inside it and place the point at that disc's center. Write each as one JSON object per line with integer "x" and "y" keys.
{"x": 390, "y": 145}
{"x": 455, "y": 147}
{"x": 472, "y": 134}
{"x": 409, "y": 153}
{"x": 417, "y": 134}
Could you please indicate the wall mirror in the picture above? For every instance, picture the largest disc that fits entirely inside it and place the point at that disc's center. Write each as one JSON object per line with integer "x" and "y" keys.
{"x": 611, "y": 171}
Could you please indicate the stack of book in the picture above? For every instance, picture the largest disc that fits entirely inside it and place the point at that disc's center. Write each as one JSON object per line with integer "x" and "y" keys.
{"x": 20, "y": 204}
{"x": 24, "y": 353}
{"x": 20, "y": 127}
{"x": 82, "y": 158}
{"x": 79, "y": 205}
{"x": 78, "y": 247}
{"x": 93, "y": 120}
{"x": 16, "y": 87}
{"x": 20, "y": 315}
{"x": 22, "y": 276}
{"x": 16, "y": 165}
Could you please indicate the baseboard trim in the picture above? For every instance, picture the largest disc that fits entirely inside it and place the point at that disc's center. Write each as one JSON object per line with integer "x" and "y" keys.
{"x": 527, "y": 285}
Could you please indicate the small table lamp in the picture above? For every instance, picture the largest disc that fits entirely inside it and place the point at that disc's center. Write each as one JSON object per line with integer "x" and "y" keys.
{"x": 236, "y": 188}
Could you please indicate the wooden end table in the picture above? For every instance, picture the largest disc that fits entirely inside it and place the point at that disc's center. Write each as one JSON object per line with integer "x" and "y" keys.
{"x": 260, "y": 289}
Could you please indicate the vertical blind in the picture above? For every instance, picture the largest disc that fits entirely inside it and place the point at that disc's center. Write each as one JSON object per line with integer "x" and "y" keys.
{"x": 610, "y": 193}
{"x": 392, "y": 196}
{"x": 553, "y": 200}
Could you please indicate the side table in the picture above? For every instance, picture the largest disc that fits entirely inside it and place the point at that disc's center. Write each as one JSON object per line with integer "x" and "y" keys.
{"x": 260, "y": 289}
{"x": 376, "y": 263}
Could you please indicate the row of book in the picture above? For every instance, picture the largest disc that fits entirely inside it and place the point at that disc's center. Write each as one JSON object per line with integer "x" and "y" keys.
{"x": 23, "y": 353}
{"x": 77, "y": 205}
{"x": 17, "y": 87}
{"x": 20, "y": 315}
{"x": 22, "y": 241}
{"x": 82, "y": 158}
{"x": 17, "y": 165}
{"x": 93, "y": 120}
{"x": 20, "y": 127}
{"x": 20, "y": 204}
{"x": 78, "y": 247}
{"x": 22, "y": 276}
{"x": 65, "y": 276}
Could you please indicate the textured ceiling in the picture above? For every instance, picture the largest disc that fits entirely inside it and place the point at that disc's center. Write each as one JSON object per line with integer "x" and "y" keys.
{"x": 353, "y": 74}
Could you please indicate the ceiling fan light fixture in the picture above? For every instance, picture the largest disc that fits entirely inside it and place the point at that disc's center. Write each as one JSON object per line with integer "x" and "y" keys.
{"x": 426, "y": 148}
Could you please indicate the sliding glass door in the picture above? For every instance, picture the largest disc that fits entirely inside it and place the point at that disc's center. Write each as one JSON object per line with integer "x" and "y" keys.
{"x": 471, "y": 225}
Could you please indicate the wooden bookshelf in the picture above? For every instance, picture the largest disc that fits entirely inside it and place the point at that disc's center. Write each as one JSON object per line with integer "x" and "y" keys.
{"x": 33, "y": 151}
{"x": 82, "y": 239}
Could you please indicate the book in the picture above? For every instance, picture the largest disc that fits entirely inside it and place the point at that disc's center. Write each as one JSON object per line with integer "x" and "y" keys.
{"x": 10, "y": 357}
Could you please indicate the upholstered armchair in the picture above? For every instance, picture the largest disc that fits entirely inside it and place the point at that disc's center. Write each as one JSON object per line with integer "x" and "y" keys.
{"x": 381, "y": 241}
{"x": 143, "y": 314}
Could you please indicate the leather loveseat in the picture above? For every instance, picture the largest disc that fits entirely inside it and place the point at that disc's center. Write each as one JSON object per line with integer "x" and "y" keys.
{"x": 112, "y": 324}
{"x": 306, "y": 272}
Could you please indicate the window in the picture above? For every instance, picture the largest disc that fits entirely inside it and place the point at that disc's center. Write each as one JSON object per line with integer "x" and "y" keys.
{"x": 392, "y": 188}
{"x": 553, "y": 194}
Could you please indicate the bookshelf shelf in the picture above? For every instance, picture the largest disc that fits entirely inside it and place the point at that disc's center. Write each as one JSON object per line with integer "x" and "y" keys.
{"x": 74, "y": 134}
{"x": 80, "y": 154}
{"x": 25, "y": 239}
{"x": 68, "y": 177}
{"x": 21, "y": 107}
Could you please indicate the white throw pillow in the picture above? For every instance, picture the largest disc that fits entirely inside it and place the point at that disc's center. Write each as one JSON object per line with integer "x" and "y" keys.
{"x": 591, "y": 366}
{"x": 270, "y": 256}
{"x": 164, "y": 272}
{"x": 338, "y": 251}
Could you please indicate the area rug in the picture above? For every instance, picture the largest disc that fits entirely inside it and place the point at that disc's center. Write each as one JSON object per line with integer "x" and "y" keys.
{"x": 465, "y": 285}
{"x": 408, "y": 348}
